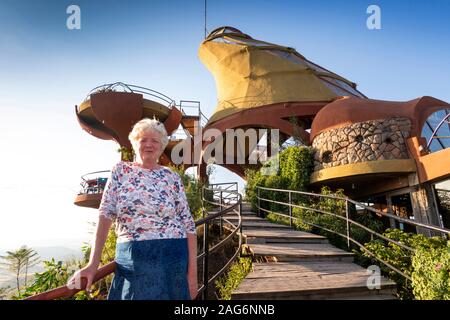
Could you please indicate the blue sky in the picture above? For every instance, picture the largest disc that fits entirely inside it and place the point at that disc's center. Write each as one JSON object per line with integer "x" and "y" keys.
{"x": 46, "y": 69}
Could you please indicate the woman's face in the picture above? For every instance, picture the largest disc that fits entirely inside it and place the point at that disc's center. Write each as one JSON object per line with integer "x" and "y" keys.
{"x": 150, "y": 146}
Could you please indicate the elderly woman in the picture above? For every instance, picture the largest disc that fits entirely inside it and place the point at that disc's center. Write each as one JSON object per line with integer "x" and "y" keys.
{"x": 156, "y": 246}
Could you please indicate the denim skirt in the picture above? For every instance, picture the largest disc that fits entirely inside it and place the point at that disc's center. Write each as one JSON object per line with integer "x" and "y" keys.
{"x": 151, "y": 270}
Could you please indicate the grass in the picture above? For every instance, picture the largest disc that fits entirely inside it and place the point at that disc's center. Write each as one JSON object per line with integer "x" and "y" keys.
{"x": 231, "y": 280}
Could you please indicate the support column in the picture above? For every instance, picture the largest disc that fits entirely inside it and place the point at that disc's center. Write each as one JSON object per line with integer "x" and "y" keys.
{"x": 201, "y": 172}
{"x": 389, "y": 207}
{"x": 425, "y": 209}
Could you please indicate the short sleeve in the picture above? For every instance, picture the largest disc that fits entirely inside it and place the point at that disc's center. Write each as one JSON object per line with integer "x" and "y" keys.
{"x": 182, "y": 206}
{"x": 108, "y": 205}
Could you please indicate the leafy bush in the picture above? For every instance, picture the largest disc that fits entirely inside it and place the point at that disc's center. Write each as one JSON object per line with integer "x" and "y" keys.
{"x": 427, "y": 253}
{"x": 431, "y": 273}
{"x": 296, "y": 164}
{"x": 55, "y": 275}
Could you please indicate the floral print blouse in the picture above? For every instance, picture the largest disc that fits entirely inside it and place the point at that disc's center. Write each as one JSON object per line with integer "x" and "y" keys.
{"x": 146, "y": 203}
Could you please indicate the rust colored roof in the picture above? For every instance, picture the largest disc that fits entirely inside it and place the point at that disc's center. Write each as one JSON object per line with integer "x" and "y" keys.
{"x": 349, "y": 110}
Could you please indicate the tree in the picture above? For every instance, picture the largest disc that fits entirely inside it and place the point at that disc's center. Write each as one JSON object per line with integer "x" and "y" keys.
{"x": 20, "y": 261}
{"x": 4, "y": 292}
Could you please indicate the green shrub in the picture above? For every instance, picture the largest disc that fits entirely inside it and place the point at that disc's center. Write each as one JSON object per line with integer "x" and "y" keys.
{"x": 427, "y": 251}
{"x": 231, "y": 280}
{"x": 254, "y": 178}
{"x": 296, "y": 164}
{"x": 431, "y": 273}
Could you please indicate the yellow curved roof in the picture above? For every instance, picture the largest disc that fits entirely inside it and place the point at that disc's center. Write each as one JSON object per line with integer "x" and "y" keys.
{"x": 251, "y": 73}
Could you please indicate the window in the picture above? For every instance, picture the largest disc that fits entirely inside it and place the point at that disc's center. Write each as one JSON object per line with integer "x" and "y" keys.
{"x": 436, "y": 130}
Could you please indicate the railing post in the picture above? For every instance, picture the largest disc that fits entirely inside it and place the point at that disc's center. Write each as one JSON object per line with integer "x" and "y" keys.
{"x": 259, "y": 203}
{"x": 348, "y": 223}
{"x": 221, "y": 220}
{"x": 205, "y": 259}
{"x": 290, "y": 210}
{"x": 240, "y": 215}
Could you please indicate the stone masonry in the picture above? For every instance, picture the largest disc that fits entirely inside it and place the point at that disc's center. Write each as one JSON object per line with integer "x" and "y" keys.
{"x": 383, "y": 139}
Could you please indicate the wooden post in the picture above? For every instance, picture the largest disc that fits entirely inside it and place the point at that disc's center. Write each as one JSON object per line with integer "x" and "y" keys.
{"x": 425, "y": 208}
{"x": 389, "y": 207}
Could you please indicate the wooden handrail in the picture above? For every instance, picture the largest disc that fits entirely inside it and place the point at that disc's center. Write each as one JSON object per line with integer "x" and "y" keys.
{"x": 66, "y": 292}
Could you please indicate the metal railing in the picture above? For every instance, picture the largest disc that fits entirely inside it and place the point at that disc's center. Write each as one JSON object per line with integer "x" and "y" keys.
{"x": 123, "y": 87}
{"x": 226, "y": 192}
{"x": 93, "y": 182}
{"x": 346, "y": 218}
{"x": 208, "y": 248}
{"x": 192, "y": 108}
{"x": 224, "y": 209}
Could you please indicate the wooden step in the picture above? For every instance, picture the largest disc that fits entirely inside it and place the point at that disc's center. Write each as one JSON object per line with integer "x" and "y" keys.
{"x": 264, "y": 225}
{"x": 244, "y": 218}
{"x": 255, "y": 222}
{"x": 310, "y": 280}
{"x": 259, "y": 225}
{"x": 247, "y": 205}
{"x": 300, "y": 252}
{"x": 255, "y": 235}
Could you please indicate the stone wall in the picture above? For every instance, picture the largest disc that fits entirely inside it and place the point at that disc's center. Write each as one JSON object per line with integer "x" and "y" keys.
{"x": 361, "y": 142}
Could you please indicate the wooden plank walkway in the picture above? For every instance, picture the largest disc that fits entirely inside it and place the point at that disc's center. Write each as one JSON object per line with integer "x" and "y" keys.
{"x": 299, "y": 265}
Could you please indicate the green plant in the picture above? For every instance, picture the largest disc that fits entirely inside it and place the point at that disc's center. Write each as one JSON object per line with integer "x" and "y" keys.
{"x": 55, "y": 275}
{"x": 296, "y": 165}
{"x": 402, "y": 258}
{"x": 231, "y": 280}
{"x": 126, "y": 154}
{"x": 431, "y": 273}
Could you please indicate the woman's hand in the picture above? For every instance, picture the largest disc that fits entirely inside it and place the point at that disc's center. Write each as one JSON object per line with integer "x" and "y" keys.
{"x": 193, "y": 285}
{"x": 87, "y": 272}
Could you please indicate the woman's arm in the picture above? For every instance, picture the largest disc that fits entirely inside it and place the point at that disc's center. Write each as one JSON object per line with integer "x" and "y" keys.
{"x": 192, "y": 265}
{"x": 186, "y": 218}
{"x": 103, "y": 226}
{"x": 90, "y": 270}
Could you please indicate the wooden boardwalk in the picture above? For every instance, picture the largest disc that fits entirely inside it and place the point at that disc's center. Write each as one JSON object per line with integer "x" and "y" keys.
{"x": 296, "y": 265}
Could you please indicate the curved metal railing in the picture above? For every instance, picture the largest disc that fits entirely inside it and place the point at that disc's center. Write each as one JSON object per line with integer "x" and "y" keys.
{"x": 208, "y": 247}
{"x": 345, "y": 218}
{"x": 94, "y": 184}
{"x": 123, "y": 87}
{"x": 224, "y": 208}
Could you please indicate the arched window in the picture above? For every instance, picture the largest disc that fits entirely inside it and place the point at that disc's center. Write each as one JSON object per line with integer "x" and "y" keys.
{"x": 436, "y": 130}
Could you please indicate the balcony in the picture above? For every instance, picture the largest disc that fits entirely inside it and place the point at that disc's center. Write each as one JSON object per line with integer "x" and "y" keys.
{"x": 92, "y": 186}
